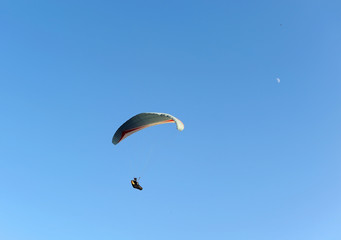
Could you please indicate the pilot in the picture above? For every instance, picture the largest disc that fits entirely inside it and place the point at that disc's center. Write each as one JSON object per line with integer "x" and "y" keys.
{"x": 136, "y": 184}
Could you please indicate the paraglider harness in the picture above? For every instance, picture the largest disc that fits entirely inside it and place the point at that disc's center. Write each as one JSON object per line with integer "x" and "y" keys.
{"x": 136, "y": 184}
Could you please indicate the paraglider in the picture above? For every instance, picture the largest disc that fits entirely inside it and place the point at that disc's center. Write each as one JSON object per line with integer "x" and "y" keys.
{"x": 139, "y": 122}
{"x": 144, "y": 120}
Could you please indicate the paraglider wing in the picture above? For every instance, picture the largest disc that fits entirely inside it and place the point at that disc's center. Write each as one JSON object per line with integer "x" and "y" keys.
{"x": 144, "y": 120}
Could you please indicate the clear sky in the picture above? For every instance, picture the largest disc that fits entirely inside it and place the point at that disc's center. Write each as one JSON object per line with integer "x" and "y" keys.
{"x": 258, "y": 159}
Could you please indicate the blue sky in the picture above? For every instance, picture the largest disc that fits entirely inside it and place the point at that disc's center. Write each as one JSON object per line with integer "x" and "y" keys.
{"x": 257, "y": 159}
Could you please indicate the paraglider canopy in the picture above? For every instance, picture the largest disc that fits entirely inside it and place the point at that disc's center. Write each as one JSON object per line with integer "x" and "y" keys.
{"x": 144, "y": 120}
